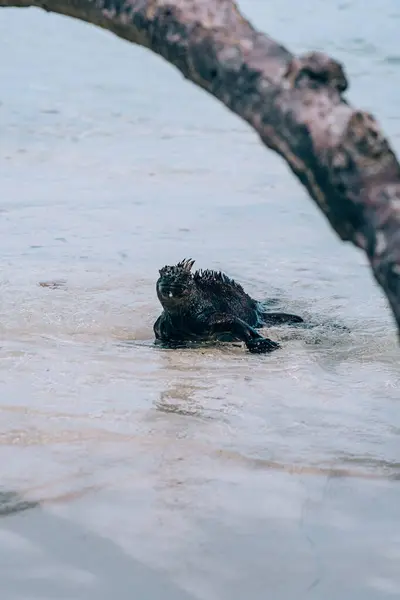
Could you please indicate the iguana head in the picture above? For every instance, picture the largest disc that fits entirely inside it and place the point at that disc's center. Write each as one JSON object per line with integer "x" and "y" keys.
{"x": 175, "y": 284}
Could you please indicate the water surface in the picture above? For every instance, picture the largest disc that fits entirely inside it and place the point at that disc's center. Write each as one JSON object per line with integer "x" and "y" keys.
{"x": 207, "y": 473}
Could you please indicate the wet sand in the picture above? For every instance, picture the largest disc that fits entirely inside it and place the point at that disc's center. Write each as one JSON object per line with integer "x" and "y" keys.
{"x": 206, "y": 473}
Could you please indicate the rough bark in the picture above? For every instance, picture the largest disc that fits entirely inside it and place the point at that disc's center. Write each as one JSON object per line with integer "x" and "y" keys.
{"x": 295, "y": 103}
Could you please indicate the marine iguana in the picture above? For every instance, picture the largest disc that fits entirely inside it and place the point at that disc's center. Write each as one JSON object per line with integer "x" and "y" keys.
{"x": 208, "y": 305}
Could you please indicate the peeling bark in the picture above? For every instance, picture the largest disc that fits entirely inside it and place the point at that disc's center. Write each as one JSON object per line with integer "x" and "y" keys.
{"x": 295, "y": 103}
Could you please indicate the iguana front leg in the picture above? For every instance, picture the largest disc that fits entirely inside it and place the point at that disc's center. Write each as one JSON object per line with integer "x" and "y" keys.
{"x": 255, "y": 343}
{"x": 166, "y": 332}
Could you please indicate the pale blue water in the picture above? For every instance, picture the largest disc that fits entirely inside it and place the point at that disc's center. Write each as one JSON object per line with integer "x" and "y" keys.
{"x": 190, "y": 474}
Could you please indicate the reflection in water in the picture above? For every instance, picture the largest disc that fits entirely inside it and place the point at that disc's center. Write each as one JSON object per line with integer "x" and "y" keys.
{"x": 181, "y": 399}
{"x": 11, "y": 502}
{"x": 55, "y": 557}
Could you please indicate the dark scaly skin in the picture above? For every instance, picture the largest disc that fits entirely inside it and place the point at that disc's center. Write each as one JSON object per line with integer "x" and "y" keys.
{"x": 207, "y": 305}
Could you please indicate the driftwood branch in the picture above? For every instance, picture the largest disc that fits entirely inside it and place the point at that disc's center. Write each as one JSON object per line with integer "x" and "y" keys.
{"x": 295, "y": 103}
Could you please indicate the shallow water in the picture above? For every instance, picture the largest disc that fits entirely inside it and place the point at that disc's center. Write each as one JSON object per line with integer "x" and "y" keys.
{"x": 206, "y": 473}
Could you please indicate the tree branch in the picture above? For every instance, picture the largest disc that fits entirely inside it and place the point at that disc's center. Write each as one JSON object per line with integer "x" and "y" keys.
{"x": 295, "y": 103}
